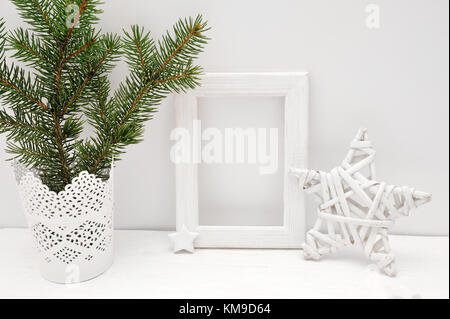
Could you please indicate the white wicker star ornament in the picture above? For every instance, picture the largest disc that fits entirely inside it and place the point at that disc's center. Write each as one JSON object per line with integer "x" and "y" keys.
{"x": 355, "y": 209}
{"x": 183, "y": 240}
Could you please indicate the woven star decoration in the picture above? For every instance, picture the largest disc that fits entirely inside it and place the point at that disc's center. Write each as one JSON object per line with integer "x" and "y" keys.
{"x": 355, "y": 209}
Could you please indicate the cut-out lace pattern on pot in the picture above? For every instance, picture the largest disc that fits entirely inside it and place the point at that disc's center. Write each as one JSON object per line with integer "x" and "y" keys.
{"x": 85, "y": 195}
{"x": 87, "y": 234}
{"x": 104, "y": 243}
{"x": 45, "y": 237}
{"x": 67, "y": 255}
{"x": 72, "y": 224}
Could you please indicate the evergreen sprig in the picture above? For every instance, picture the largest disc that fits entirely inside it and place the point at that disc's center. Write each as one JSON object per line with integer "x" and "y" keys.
{"x": 71, "y": 62}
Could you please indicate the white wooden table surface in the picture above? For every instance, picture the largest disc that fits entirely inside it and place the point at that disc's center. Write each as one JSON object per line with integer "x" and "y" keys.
{"x": 145, "y": 267}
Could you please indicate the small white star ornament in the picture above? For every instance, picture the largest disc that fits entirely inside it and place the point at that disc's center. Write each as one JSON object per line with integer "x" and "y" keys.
{"x": 355, "y": 209}
{"x": 183, "y": 240}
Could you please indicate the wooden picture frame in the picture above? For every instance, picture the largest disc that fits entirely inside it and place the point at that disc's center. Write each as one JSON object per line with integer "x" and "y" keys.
{"x": 293, "y": 86}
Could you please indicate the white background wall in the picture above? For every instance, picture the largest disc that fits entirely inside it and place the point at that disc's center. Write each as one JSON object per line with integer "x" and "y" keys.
{"x": 393, "y": 80}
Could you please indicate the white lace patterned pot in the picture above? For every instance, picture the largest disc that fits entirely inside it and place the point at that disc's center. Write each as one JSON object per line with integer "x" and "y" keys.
{"x": 73, "y": 230}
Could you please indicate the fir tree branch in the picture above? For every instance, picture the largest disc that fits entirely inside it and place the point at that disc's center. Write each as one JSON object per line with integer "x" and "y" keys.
{"x": 8, "y": 121}
{"x": 141, "y": 58}
{"x": 11, "y": 84}
{"x": 83, "y": 48}
{"x": 32, "y": 154}
{"x": 24, "y": 46}
{"x": 174, "y": 78}
{"x": 27, "y": 48}
{"x": 175, "y": 56}
{"x": 99, "y": 160}
{"x": 178, "y": 49}
{"x": 194, "y": 30}
{"x": 16, "y": 89}
{"x": 36, "y": 13}
{"x": 139, "y": 50}
{"x": 25, "y": 152}
{"x": 71, "y": 64}
{"x": 60, "y": 137}
{"x": 86, "y": 81}
{"x": 101, "y": 106}
{"x": 61, "y": 152}
{"x": 63, "y": 47}
{"x": 67, "y": 38}
{"x": 44, "y": 15}
{"x": 2, "y": 39}
{"x": 83, "y": 6}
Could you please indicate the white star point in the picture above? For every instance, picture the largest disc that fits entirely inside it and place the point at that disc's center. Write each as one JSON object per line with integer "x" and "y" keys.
{"x": 183, "y": 240}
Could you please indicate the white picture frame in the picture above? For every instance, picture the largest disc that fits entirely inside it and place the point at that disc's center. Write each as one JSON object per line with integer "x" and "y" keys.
{"x": 293, "y": 86}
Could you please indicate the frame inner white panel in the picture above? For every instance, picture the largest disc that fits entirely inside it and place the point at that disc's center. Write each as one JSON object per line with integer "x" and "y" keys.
{"x": 245, "y": 193}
